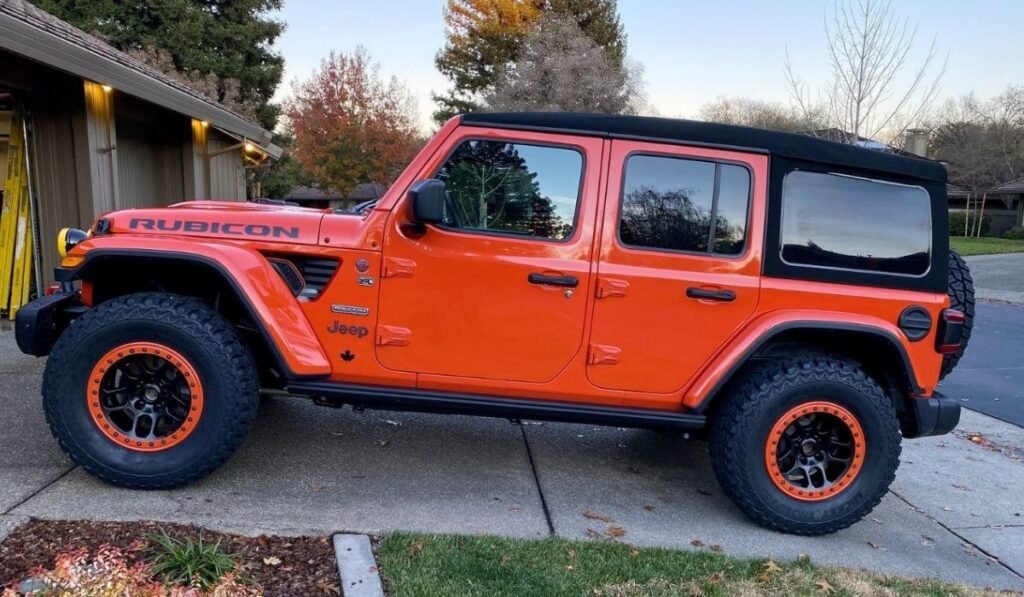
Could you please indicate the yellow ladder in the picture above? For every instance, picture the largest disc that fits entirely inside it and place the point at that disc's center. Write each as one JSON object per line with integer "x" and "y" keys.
{"x": 16, "y": 251}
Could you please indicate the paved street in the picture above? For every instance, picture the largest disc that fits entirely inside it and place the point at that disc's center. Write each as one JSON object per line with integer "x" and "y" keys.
{"x": 999, "y": 277}
{"x": 990, "y": 378}
{"x": 312, "y": 470}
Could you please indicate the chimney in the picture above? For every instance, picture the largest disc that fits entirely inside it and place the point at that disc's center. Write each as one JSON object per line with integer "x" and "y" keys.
{"x": 916, "y": 142}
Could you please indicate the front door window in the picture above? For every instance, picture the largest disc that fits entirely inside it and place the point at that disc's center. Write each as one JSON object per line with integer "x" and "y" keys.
{"x": 513, "y": 188}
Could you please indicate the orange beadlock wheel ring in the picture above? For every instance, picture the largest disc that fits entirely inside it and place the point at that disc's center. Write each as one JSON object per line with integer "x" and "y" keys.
{"x": 144, "y": 396}
{"x": 815, "y": 451}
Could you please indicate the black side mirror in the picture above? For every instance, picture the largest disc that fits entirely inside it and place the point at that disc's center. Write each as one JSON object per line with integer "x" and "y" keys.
{"x": 426, "y": 201}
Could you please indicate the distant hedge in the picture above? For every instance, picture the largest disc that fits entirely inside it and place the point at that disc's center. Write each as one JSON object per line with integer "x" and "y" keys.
{"x": 956, "y": 224}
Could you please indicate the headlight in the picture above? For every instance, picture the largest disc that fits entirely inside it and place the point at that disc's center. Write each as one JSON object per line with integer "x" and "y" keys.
{"x": 68, "y": 238}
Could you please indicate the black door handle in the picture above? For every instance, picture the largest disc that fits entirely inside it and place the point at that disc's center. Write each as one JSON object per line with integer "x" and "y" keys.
{"x": 725, "y": 296}
{"x": 546, "y": 280}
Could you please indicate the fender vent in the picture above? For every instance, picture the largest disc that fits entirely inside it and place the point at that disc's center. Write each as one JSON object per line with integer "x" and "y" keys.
{"x": 307, "y": 277}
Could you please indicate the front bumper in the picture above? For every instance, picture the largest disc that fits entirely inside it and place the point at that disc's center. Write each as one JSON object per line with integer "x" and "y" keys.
{"x": 937, "y": 415}
{"x": 38, "y": 324}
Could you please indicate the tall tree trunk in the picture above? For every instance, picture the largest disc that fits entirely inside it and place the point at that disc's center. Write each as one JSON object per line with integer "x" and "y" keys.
{"x": 967, "y": 215}
{"x": 981, "y": 214}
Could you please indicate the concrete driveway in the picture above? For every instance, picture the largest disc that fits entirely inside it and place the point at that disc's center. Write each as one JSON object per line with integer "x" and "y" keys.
{"x": 954, "y": 511}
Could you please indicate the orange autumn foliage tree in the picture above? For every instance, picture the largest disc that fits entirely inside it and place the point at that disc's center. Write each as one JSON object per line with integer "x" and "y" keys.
{"x": 350, "y": 125}
{"x": 482, "y": 37}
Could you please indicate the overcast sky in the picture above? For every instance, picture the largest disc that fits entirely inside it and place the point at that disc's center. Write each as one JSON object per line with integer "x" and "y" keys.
{"x": 692, "y": 51}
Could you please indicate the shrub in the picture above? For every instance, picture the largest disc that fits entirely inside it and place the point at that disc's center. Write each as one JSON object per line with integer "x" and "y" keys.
{"x": 190, "y": 562}
{"x": 1015, "y": 233}
{"x": 956, "y": 224}
{"x": 108, "y": 574}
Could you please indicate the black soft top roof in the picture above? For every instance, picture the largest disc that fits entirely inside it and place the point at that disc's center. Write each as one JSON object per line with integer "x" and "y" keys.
{"x": 790, "y": 145}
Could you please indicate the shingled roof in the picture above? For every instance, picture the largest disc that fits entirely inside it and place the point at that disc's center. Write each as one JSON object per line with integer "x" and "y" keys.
{"x": 39, "y": 36}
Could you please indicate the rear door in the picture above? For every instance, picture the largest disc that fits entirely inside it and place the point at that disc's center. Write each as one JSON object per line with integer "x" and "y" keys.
{"x": 679, "y": 262}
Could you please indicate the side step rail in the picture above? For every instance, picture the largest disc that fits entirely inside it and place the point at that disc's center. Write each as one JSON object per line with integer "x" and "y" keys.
{"x": 410, "y": 399}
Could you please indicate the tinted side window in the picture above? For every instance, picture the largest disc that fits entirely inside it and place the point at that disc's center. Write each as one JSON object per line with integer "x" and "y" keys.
{"x": 513, "y": 188}
{"x": 684, "y": 205}
{"x": 830, "y": 220}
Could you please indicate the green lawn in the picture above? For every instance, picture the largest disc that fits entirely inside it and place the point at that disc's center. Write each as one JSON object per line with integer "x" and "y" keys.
{"x": 985, "y": 245}
{"x": 419, "y": 564}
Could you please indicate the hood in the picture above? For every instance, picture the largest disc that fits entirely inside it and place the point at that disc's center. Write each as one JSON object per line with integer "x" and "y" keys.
{"x": 222, "y": 219}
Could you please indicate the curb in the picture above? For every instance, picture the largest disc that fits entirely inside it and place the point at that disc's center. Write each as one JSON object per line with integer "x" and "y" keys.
{"x": 357, "y": 566}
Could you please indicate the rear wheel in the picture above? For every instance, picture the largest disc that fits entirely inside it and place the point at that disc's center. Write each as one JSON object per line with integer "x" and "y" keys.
{"x": 807, "y": 445}
{"x": 150, "y": 391}
{"x": 961, "y": 298}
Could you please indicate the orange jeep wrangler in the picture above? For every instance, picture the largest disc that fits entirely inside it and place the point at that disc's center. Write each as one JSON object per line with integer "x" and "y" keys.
{"x": 784, "y": 296}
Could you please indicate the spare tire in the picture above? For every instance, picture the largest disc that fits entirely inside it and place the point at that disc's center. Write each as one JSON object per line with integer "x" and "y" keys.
{"x": 961, "y": 298}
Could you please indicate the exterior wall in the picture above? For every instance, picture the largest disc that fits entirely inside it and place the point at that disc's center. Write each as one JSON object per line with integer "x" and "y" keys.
{"x": 227, "y": 170}
{"x": 1006, "y": 211}
{"x": 149, "y": 158}
{"x": 101, "y": 147}
{"x": 193, "y": 157}
{"x": 1002, "y": 220}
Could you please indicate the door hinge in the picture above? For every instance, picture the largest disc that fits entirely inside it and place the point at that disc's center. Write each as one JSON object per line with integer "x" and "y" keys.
{"x": 609, "y": 287}
{"x": 397, "y": 266}
{"x": 602, "y": 354}
{"x": 392, "y": 335}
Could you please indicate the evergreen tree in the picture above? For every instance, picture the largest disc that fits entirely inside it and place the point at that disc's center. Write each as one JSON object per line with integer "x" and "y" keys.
{"x": 230, "y": 39}
{"x": 485, "y": 36}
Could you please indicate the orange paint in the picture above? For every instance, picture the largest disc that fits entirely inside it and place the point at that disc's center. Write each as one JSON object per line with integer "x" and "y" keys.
{"x": 278, "y": 311}
{"x": 443, "y": 309}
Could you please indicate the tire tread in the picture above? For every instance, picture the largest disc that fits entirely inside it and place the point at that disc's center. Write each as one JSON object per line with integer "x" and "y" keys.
{"x": 191, "y": 317}
{"x": 744, "y": 406}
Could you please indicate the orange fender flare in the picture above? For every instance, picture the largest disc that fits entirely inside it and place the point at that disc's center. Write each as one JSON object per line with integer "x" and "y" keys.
{"x": 260, "y": 288}
{"x": 761, "y": 330}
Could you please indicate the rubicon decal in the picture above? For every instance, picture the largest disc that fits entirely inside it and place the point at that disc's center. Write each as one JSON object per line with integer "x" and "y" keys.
{"x": 227, "y": 228}
{"x": 350, "y": 310}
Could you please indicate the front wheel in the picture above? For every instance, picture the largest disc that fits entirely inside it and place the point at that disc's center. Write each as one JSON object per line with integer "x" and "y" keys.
{"x": 807, "y": 445}
{"x": 150, "y": 391}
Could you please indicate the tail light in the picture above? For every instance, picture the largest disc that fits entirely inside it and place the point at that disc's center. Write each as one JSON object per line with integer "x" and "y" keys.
{"x": 52, "y": 289}
{"x": 951, "y": 330}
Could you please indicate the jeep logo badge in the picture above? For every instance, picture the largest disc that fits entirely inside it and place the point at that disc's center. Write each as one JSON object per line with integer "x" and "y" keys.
{"x": 359, "y": 331}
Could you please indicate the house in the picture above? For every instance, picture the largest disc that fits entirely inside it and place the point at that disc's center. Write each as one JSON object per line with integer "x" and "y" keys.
{"x": 106, "y": 131}
{"x": 1003, "y": 203}
{"x": 313, "y": 196}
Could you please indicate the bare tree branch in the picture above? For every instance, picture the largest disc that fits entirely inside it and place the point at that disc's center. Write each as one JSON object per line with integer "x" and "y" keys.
{"x": 873, "y": 91}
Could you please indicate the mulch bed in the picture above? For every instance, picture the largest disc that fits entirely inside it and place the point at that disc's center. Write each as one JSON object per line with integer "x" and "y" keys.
{"x": 307, "y": 564}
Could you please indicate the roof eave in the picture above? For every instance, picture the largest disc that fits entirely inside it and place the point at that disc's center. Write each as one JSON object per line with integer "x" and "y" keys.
{"x": 41, "y": 46}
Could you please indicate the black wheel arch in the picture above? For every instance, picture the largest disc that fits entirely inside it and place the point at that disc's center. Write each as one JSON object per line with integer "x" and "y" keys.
{"x": 117, "y": 272}
{"x": 877, "y": 350}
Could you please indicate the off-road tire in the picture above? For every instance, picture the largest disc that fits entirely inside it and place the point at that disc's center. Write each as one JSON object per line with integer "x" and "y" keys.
{"x": 744, "y": 420}
{"x": 203, "y": 338}
{"x": 961, "y": 298}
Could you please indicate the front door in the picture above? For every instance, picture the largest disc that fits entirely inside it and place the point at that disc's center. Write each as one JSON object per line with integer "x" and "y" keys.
{"x": 679, "y": 262}
{"x": 497, "y": 291}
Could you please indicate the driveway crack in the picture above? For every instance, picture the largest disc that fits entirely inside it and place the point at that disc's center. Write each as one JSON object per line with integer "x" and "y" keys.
{"x": 965, "y": 540}
{"x": 536, "y": 480}
{"x": 40, "y": 490}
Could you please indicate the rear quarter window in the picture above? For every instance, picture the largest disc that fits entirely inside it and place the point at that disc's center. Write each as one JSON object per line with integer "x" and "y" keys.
{"x": 843, "y": 222}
